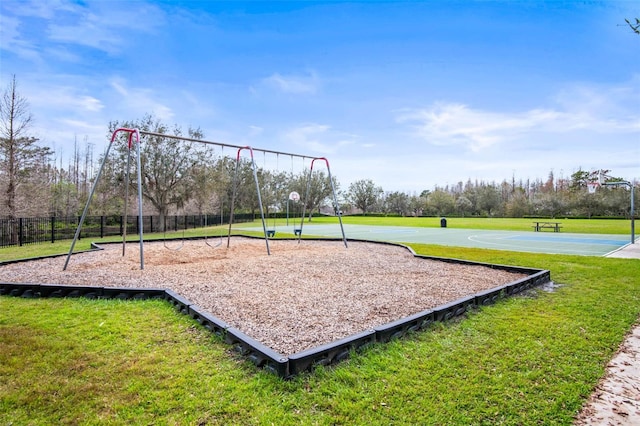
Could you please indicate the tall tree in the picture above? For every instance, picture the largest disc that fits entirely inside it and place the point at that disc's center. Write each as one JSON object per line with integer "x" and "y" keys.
{"x": 168, "y": 164}
{"x": 397, "y": 202}
{"x": 364, "y": 194}
{"x": 463, "y": 205}
{"x": 488, "y": 198}
{"x": 19, "y": 152}
{"x": 440, "y": 202}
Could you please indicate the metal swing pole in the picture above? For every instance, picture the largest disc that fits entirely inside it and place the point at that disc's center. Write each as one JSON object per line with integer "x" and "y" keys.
{"x": 126, "y": 200}
{"x": 255, "y": 178}
{"x": 140, "y": 222}
{"x": 335, "y": 199}
{"x": 95, "y": 185}
{"x": 233, "y": 199}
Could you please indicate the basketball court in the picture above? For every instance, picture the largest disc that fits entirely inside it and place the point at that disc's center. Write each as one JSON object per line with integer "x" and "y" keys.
{"x": 533, "y": 242}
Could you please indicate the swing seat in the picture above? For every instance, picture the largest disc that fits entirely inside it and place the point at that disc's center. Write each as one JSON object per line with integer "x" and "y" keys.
{"x": 271, "y": 233}
{"x": 297, "y": 232}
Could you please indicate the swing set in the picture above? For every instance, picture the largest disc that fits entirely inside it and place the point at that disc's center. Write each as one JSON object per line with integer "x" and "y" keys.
{"x": 293, "y": 196}
{"x": 135, "y": 132}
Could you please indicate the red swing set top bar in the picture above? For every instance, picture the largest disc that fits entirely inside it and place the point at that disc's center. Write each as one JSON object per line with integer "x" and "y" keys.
{"x": 131, "y": 133}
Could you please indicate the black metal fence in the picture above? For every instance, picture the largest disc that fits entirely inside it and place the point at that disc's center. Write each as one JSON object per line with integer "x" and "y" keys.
{"x": 34, "y": 230}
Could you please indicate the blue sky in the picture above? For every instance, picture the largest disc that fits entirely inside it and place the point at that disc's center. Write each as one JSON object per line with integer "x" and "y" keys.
{"x": 407, "y": 94}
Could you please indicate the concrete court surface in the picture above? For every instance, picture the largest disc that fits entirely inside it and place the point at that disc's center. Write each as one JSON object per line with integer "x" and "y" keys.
{"x": 524, "y": 241}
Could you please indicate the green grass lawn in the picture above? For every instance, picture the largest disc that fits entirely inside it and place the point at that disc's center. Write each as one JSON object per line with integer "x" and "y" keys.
{"x": 586, "y": 226}
{"x": 533, "y": 359}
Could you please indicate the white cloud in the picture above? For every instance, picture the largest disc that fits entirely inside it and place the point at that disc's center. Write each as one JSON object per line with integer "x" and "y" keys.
{"x": 83, "y": 127}
{"x": 139, "y": 101}
{"x": 295, "y": 84}
{"x": 309, "y": 136}
{"x": 39, "y": 9}
{"x": 457, "y": 124}
{"x": 64, "y": 98}
{"x": 579, "y": 109}
{"x": 9, "y": 32}
{"x": 89, "y": 33}
{"x": 255, "y": 131}
{"x": 602, "y": 108}
{"x": 318, "y": 138}
{"x": 12, "y": 41}
{"x": 105, "y": 26}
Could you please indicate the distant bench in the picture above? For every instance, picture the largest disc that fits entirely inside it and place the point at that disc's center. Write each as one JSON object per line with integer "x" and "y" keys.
{"x": 539, "y": 226}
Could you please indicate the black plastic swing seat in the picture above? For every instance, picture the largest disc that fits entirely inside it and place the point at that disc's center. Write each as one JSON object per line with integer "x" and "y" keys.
{"x": 297, "y": 232}
{"x": 271, "y": 233}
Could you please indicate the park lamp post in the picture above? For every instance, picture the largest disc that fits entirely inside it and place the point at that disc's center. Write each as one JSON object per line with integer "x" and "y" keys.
{"x": 630, "y": 185}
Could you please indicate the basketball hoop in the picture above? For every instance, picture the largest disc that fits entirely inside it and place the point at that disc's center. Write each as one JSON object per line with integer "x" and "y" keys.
{"x": 592, "y": 187}
{"x": 294, "y": 196}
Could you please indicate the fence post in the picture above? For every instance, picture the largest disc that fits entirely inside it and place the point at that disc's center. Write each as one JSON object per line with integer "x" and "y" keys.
{"x": 20, "y": 236}
{"x": 101, "y": 226}
{"x": 53, "y": 229}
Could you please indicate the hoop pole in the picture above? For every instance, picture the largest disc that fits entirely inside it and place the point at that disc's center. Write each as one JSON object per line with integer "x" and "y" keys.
{"x": 335, "y": 199}
{"x": 631, "y": 185}
{"x": 633, "y": 236}
{"x": 95, "y": 185}
{"x": 255, "y": 178}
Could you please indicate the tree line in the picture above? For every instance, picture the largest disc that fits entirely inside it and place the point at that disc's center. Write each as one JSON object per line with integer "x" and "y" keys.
{"x": 181, "y": 177}
{"x": 553, "y": 197}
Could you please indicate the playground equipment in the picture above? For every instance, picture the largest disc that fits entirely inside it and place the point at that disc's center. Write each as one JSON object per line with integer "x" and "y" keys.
{"x": 271, "y": 201}
{"x": 206, "y": 241}
{"x": 131, "y": 133}
{"x": 137, "y": 133}
{"x": 336, "y": 207}
{"x": 233, "y": 197}
{"x": 164, "y": 239}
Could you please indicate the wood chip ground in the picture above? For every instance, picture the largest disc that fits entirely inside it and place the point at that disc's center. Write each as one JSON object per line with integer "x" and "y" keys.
{"x": 303, "y": 295}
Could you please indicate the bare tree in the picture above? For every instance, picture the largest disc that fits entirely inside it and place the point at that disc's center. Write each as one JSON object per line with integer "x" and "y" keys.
{"x": 634, "y": 27}
{"x": 19, "y": 153}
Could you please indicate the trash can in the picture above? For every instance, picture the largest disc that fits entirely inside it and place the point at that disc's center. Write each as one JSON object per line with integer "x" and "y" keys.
{"x": 443, "y": 223}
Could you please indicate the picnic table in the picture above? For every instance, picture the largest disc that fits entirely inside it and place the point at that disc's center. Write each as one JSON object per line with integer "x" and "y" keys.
{"x": 539, "y": 226}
